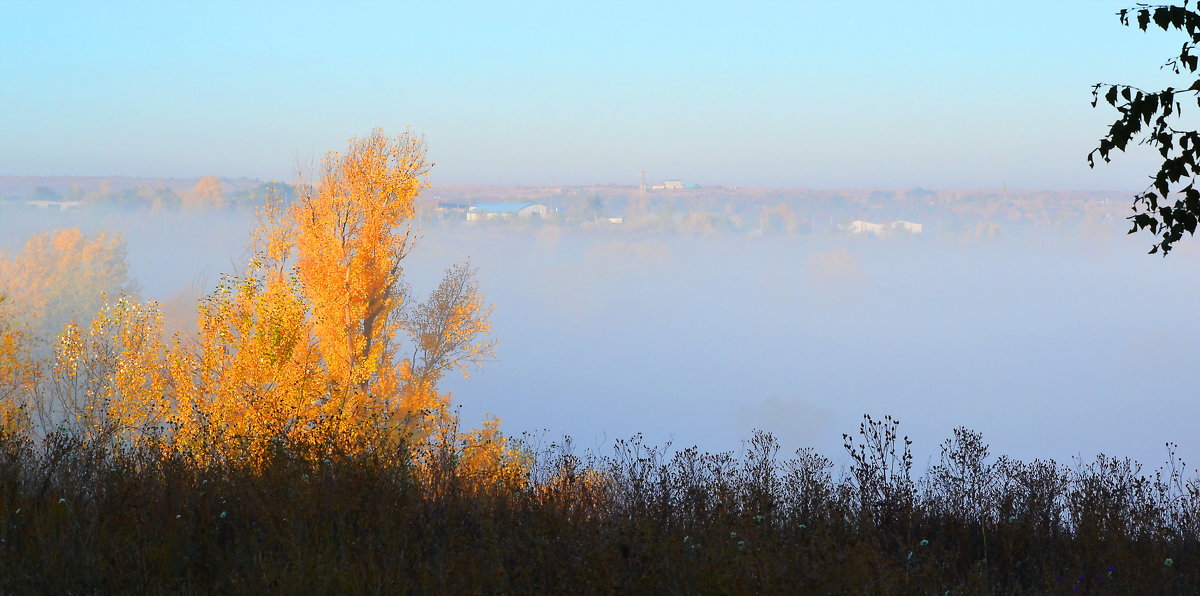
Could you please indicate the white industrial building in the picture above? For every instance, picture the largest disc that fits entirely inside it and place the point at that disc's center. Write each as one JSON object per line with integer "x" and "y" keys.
{"x": 485, "y": 211}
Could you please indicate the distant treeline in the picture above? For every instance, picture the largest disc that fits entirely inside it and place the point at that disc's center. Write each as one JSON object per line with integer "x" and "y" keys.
{"x": 952, "y": 214}
{"x": 209, "y": 193}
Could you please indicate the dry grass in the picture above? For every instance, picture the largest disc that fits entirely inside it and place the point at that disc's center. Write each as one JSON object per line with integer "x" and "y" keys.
{"x": 76, "y": 518}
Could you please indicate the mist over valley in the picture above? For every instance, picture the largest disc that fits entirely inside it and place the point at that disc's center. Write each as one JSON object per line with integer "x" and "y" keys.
{"x": 697, "y": 315}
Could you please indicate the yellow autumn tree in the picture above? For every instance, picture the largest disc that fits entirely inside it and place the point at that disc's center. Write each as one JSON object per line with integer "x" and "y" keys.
{"x": 19, "y": 373}
{"x": 490, "y": 461}
{"x": 305, "y": 347}
{"x": 354, "y": 231}
{"x": 447, "y": 333}
{"x": 352, "y": 237}
{"x": 253, "y": 377}
{"x": 207, "y": 194}
{"x": 109, "y": 382}
{"x": 61, "y": 275}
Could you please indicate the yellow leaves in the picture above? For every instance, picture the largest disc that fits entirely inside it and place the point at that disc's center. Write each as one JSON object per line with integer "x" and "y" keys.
{"x": 206, "y": 194}
{"x": 61, "y": 274}
{"x": 274, "y": 238}
{"x": 19, "y": 373}
{"x": 251, "y": 377}
{"x": 351, "y": 238}
{"x": 110, "y": 383}
{"x": 304, "y": 347}
{"x": 450, "y": 329}
{"x": 490, "y": 461}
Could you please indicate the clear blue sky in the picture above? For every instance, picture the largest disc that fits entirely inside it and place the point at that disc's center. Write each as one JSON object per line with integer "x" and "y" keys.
{"x": 798, "y": 94}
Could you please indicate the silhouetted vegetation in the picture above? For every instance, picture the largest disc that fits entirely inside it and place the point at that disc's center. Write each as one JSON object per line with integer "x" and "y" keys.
{"x": 1153, "y": 118}
{"x": 78, "y": 517}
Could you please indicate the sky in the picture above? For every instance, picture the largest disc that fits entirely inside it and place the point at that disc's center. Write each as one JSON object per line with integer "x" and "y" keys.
{"x": 792, "y": 94}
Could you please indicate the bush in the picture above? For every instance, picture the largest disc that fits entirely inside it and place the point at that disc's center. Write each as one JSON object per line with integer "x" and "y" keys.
{"x": 90, "y": 517}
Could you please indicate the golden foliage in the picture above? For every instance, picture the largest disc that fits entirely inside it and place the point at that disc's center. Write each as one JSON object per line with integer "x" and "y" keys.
{"x": 351, "y": 239}
{"x": 302, "y": 349}
{"x": 108, "y": 381}
{"x": 62, "y": 274}
{"x": 250, "y": 378}
{"x": 19, "y": 373}
{"x": 205, "y": 195}
{"x": 490, "y": 461}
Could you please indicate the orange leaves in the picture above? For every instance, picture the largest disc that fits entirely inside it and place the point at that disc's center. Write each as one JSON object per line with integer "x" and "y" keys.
{"x": 252, "y": 377}
{"x": 19, "y": 373}
{"x": 109, "y": 380}
{"x": 490, "y": 461}
{"x": 206, "y": 194}
{"x": 352, "y": 236}
{"x": 303, "y": 348}
{"x": 61, "y": 274}
{"x": 302, "y": 344}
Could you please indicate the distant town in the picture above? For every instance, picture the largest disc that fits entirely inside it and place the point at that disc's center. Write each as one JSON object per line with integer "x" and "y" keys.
{"x": 671, "y": 205}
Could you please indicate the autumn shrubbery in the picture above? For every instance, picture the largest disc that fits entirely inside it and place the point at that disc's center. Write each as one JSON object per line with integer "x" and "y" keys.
{"x": 316, "y": 341}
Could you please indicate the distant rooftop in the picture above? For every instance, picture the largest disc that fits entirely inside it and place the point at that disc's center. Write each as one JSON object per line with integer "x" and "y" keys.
{"x": 500, "y": 207}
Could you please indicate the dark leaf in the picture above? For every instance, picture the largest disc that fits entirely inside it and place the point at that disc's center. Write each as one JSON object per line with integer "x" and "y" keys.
{"x": 1162, "y": 17}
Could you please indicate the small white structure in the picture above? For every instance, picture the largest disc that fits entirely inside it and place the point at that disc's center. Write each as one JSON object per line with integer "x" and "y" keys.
{"x": 62, "y": 205}
{"x": 862, "y": 226}
{"x": 669, "y": 185}
{"x": 485, "y": 211}
{"x": 894, "y": 228}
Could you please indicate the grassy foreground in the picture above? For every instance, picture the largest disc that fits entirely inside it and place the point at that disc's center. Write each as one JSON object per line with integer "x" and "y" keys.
{"x": 79, "y": 518}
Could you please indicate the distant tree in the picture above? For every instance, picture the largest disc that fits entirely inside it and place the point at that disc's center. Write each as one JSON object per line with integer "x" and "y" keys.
{"x": 257, "y": 195}
{"x": 1150, "y": 118}
{"x": 209, "y": 187}
{"x": 165, "y": 198}
{"x": 666, "y": 213}
{"x": 45, "y": 193}
{"x": 835, "y": 269}
{"x": 986, "y": 230}
{"x": 61, "y": 275}
{"x": 919, "y": 193}
{"x": 207, "y": 194}
{"x": 703, "y": 224}
{"x": 596, "y": 207}
{"x": 778, "y": 219}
